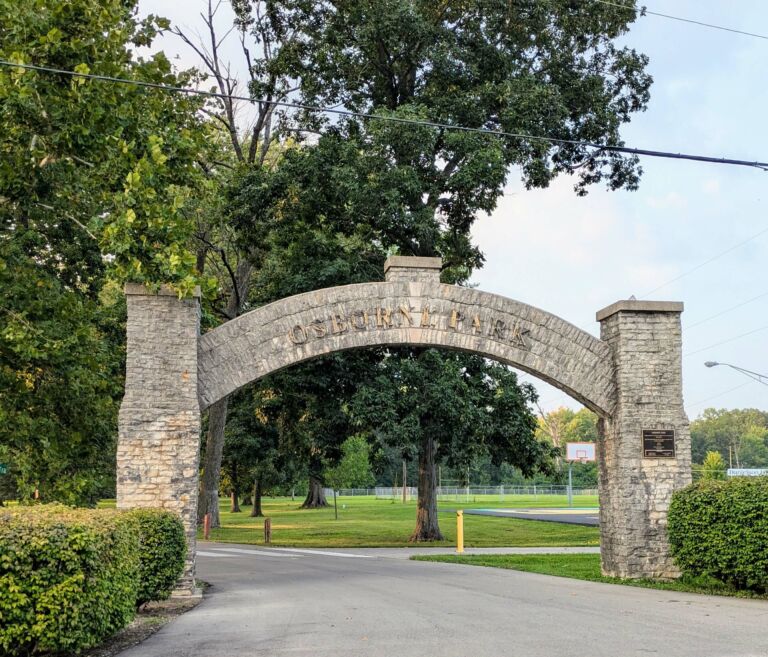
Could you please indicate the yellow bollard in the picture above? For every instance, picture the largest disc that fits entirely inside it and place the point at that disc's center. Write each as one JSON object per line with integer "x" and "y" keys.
{"x": 459, "y": 532}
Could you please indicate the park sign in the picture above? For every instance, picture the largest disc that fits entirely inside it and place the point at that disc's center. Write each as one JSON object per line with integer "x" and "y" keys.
{"x": 658, "y": 443}
{"x": 747, "y": 472}
{"x": 3, "y": 469}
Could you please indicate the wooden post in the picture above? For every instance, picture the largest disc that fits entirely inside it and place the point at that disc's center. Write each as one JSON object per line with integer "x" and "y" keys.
{"x": 207, "y": 526}
{"x": 267, "y": 530}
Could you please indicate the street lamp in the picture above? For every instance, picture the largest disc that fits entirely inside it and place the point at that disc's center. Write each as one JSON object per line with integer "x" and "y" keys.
{"x": 760, "y": 378}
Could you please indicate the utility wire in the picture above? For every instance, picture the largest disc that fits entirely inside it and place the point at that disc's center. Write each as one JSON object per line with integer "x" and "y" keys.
{"x": 706, "y": 262}
{"x": 717, "y": 344}
{"x": 719, "y": 394}
{"x": 727, "y": 310}
{"x": 394, "y": 119}
{"x": 647, "y": 11}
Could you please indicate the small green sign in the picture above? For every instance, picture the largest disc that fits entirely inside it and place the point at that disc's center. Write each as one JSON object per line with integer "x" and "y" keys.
{"x": 3, "y": 468}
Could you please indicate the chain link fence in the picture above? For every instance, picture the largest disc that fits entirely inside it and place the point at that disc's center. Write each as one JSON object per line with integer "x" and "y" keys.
{"x": 463, "y": 493}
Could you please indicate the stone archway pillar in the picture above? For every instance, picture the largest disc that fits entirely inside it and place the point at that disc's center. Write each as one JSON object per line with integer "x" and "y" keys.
{"x": 159, "y": 420}
{"x": 637, "y": 475}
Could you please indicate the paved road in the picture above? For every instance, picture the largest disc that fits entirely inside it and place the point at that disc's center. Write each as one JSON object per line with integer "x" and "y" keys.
{"x": 350, "y": 603}
{"x": 567, "y": 516}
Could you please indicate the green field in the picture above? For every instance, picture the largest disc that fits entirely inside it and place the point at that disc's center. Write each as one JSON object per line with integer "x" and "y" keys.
{"x": 368, "y": 522}
{"x": 583, "y": 566}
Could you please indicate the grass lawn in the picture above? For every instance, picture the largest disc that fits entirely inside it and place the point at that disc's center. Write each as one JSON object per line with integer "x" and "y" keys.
{"x": 368, "y": 522}
{"x": 583, "y": 566}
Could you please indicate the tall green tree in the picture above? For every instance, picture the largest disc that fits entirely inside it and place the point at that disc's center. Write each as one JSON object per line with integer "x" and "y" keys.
{"x": 453, "y": 408}
{"x": 739, "y": 435}
{"x": 549, "y": 68}
{"x": 353, "y": 469}
{"x": 93, "y": 180}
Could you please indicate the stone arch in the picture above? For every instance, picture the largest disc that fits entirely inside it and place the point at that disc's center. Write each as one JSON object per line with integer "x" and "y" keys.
{"x": 631, "y": 377}
{"x": 426, "y": 314}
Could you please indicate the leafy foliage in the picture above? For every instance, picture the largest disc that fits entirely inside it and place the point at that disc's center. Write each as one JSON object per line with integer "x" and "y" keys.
{"x": 68, "y": 578}
{"x": 720, "y": 529}
{"x": 90, "y": 167}
{"x": 713, "y": 466}
{"x": 61, "y": 358}
{"x": 162, "y": 548}
{"x": 740, "y": 435}
{"x": 467, "y": 405}
{"x": 354, "y": 468}
{"x": 94, "y": 179}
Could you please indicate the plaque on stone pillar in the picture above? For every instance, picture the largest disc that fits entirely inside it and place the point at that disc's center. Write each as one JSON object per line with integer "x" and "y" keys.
{"x": 658, "y": 443}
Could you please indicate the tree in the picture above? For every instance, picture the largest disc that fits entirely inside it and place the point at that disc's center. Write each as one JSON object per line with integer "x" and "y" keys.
{"x": 93, "y": 179}
{"x": 564, "y": 425}
{"x": 249, "y": 146}
{"x": 713, "y": 466}
{"x": 452, "y": 407}
{"x": 353, "y": 469}
{"x": 735, "y": 434}
{"x": 548, "y": 68}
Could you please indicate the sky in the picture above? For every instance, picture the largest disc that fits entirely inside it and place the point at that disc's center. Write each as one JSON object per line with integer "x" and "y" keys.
{"x": 693, "y": 232}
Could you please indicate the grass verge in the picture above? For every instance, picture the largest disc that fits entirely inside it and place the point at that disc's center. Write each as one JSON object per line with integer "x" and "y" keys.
{"x": 368, "y": 522}
{"x": 586, "y": 567}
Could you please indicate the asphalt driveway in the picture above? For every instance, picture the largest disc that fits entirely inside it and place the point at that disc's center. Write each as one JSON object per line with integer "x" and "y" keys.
{"x": 350, "y": 603}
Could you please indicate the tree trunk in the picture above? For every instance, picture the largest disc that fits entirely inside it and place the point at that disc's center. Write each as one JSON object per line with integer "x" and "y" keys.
{"x": 256, "y": 510}
{"x": 427, "y": 528}
{"x": 214, "y": 445}
{"x": 315, "y": 497}
{"x": 217, "y": 414}
{"x": 235, "y": 492}
{"x": 335, "y": 505}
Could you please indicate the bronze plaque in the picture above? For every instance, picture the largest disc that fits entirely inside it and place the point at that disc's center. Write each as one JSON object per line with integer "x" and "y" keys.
{"x": 658, "y": 443}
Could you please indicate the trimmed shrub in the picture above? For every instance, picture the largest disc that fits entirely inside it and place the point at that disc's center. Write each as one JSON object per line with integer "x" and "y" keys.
{"x": 720, "y": 529}
{"x": 68, "y": 578}
{"x": 163, "y": 547}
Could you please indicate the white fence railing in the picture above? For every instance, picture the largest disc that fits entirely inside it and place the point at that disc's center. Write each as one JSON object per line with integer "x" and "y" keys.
{"x": 463, "y": 493}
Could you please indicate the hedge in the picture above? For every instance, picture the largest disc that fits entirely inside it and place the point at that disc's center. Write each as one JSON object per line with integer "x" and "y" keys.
{"x": 720, "y": 529}
{"x": 69, "y": 578}
{"x": 163, "y": 547}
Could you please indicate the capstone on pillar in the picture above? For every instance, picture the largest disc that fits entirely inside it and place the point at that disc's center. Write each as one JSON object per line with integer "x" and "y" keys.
{"x": 413, "y": 268}
{"x": 159, "y": 419}
{"x": 636, "y": 484}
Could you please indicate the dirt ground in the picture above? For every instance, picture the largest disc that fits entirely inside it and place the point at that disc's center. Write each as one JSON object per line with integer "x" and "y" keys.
{"x": 149, "y": 620}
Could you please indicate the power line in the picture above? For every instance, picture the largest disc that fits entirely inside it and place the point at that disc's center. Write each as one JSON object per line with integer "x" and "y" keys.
{"x": 717, "y": 344}
{"x": 727, "y": 310}
{"x": 647, "y": 11}
{"x": 394, "y": 119}
{"x": 706, "y": 262}
{"x": 719, "y": 394}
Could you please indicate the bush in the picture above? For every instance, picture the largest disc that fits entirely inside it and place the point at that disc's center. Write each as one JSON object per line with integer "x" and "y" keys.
{"x": 720, "y": 529}
{"x": 162, "y": 552}
{"x": 68, "y": 578}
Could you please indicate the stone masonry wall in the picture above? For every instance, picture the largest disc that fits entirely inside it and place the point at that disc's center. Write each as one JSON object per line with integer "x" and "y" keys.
{"x": 400, "y": 311}
{"x": 631, "y": 378}
{"x": 635, "y": 492}
{"x": 159, "y": 420}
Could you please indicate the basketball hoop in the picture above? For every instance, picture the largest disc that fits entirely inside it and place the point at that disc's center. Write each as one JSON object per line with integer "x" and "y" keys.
{"x": 581, "y": 452}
